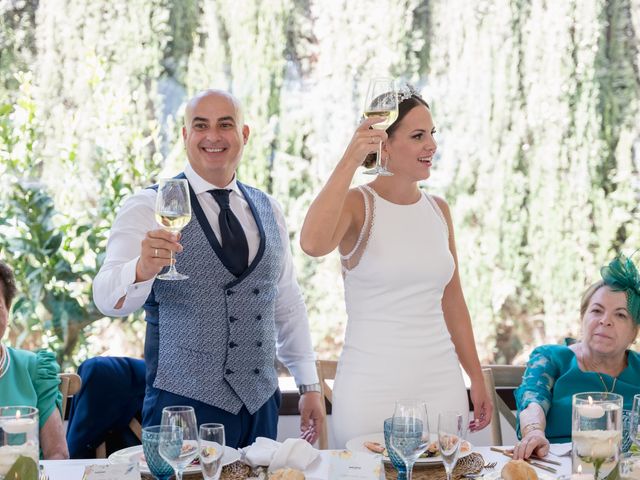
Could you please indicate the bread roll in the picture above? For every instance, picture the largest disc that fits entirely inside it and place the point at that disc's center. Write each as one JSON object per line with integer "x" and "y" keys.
{"x": 286, "y": 474}
{"x": 518, "y": 470}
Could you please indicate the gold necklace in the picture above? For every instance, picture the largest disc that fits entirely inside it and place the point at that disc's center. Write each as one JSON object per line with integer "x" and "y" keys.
{"x": 613, "y": 385}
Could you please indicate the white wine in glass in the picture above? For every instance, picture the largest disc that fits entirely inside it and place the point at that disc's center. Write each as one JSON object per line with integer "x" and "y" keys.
{"x": 381, "y": 101}
{"x": 173, "y": 212}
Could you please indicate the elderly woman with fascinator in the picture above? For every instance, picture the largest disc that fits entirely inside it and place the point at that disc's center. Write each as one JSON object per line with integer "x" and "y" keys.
{"x": 30, "y": 379}
{"x": 600, "y": 361}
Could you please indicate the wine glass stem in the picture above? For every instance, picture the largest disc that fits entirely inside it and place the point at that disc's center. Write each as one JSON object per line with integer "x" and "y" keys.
{"x": 409, "y": 466}
{"x": 172, "y": 267}
{"x": 178, "y": 474}
{"x": 379, "y": 156}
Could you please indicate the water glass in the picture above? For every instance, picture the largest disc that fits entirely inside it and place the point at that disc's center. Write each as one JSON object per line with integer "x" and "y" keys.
{"x": 19, "y": 444}
{"x": 596, "y": 433}
{"x": 409, "y": 436}
{"x": 396, "y": 460}
{"x": 451, "y": 432}
{"x": 150, "y": 441}
{"x": 211, "y": 450}
{"x": 179, "y": 445}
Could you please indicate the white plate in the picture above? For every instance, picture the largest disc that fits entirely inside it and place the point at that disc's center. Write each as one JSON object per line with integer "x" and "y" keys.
{"x": 357, "y": 445}
{"x": 129, "y": 455}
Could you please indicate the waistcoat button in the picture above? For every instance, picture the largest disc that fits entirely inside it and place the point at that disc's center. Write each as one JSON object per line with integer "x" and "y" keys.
{"x": 259, "y": 343}
{"x": 228, "y": 372}
{"x": 256, "y": 371}
{"x": 256, "y": 291}
{"x": 232, "y": 319}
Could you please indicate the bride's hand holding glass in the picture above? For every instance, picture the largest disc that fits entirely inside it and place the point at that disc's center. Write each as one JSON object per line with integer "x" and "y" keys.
{"x": 365, "y": 141}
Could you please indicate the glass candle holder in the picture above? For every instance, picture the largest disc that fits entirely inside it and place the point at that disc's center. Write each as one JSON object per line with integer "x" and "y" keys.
{"x": 596, "y": 433}
{"x": 19, "y": 443}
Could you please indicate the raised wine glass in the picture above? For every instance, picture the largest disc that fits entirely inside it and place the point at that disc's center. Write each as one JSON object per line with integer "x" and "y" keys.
{"x": 451, "y": 431}
{"x": 381, "y": 101}
{"x": 173, "y": 212}
{"x": 211, "y": 450}
{"x": 409, "y": 436}
{"x": 179, "y": 445}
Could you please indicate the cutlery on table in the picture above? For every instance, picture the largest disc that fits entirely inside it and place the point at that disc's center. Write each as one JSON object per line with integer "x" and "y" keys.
{"x": 530, "y": 461}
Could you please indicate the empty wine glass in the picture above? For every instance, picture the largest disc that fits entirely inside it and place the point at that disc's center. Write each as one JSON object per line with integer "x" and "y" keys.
{"x": 211, "y": 450}
{"x": 178, "y": 445}
{"x": 381, "y": 101}
{"x": 158, "y": 467}
{"x": 173, "y": 212}
{"x": 451, "y": 432}
{"x": 409, "y": 436}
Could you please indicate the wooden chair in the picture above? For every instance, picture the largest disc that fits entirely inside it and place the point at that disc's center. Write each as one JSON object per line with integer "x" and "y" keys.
{"x": 70, "y": 384}
{"x": 326, "y": 371}
{"x": 496, "y": 377}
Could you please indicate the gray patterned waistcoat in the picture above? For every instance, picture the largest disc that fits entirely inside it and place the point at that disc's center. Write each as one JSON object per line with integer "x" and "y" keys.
{"x": 217, "y": 332}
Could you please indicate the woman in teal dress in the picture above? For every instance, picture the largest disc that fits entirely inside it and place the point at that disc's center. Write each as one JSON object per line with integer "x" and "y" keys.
{"x": 30, "y": 379}
{"x": 600, "y": 362}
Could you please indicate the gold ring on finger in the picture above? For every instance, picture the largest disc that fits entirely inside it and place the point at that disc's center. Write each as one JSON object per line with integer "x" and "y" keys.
{"x": 155, "y": 253}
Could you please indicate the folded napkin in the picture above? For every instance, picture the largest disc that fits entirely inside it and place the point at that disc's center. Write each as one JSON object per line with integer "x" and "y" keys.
{"x": 560, "y": 449}
{"x": 293, "y": 453}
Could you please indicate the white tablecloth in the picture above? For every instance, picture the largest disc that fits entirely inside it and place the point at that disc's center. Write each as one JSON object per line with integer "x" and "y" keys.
{"x": 73, "y": 469}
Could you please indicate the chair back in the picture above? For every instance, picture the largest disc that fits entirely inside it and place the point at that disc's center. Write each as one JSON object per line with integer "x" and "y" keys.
{"x": 326, "y": 372}
{"x": 70, "y": 384}
{"x": 106, "y": 407}
{"x": 501, "y": 377}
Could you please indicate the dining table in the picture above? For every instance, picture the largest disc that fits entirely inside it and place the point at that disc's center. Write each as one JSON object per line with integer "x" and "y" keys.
{"x": 74, "y": 469}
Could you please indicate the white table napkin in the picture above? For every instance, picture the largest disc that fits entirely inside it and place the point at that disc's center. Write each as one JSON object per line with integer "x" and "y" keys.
{"x": 560, "y": 449}
{"x": 293, "y": 453}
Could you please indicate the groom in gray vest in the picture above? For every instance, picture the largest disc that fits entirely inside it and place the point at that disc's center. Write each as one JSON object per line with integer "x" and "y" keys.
{"x": 212, "y": 339}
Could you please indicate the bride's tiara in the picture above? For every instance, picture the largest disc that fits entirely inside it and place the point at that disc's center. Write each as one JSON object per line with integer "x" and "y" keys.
{"x": 407, "y": 91}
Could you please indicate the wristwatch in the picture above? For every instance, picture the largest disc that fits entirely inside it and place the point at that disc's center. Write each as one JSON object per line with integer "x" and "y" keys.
{"x": 313, "y": 387}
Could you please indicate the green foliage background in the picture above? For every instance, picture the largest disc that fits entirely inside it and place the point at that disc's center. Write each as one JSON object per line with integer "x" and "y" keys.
{"x": 536, "y": 103}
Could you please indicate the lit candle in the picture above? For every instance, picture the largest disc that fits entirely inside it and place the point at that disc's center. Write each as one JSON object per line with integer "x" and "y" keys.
{"x": 18, "y": 425}
{"x": 589, "y": 410}
{"x": 581, "y": 476}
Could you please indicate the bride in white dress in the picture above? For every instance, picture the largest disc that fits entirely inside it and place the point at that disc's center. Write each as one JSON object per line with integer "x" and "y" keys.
{"x": 408, "y": 325}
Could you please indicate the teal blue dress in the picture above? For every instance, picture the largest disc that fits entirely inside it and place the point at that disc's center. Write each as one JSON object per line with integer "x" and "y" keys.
{"x": 553, "y": 377}
{"x": 32, "y": 380}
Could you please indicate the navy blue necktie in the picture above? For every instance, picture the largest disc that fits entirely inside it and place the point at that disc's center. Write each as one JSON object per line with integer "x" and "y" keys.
{"x": 234, "y": 242}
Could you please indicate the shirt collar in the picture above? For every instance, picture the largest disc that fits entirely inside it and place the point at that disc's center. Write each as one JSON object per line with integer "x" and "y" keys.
{"x": 200, "y": 185}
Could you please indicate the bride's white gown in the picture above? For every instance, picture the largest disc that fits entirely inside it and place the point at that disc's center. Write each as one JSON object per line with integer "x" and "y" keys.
{"x": 396, "y": 343}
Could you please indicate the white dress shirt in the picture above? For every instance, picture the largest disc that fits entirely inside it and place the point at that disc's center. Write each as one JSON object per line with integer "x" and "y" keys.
{"x": 136, "y": 217}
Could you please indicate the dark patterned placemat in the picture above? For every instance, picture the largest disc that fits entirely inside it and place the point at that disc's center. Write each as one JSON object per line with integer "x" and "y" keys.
{"x": 470, "y": 464}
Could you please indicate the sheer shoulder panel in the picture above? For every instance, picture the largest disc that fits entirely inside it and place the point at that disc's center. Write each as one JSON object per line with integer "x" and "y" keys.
{"x": 437, "y": 209}
{"x": 351, "y": 259}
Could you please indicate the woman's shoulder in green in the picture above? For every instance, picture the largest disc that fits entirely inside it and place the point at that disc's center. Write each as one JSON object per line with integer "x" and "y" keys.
{"x": 554, "y": 351}
{"x": 23, "y": 358}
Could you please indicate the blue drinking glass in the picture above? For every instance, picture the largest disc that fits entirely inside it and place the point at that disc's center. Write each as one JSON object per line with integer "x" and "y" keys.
{"x": 150, "y": 440}
{"x": 396, "y": 460}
